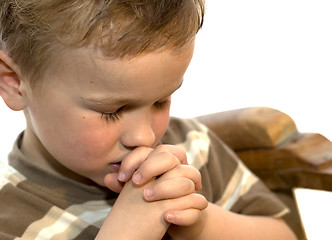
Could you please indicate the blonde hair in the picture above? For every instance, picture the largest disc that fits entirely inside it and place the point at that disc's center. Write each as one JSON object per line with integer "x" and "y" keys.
{"x": 33, "y": 32}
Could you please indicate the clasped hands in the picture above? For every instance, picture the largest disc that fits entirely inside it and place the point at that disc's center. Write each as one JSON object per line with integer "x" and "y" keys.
{"x": 157, "y": 184}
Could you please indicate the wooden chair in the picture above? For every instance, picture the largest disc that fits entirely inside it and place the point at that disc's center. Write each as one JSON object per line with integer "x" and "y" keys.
{"x": 269, "y": 143}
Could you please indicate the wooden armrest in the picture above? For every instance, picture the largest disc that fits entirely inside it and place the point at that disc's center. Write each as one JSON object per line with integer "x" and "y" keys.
{"x": 303, "y": 161}
{"x": 248, "y": 128}
{"x": 268, "y": 142}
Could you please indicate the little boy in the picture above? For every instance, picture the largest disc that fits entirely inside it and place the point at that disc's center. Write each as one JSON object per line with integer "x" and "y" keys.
{"x": 100, "y": 158}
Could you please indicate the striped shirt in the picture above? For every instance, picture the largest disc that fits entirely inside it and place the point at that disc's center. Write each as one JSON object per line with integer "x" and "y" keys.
{"x": 36, "y": 204}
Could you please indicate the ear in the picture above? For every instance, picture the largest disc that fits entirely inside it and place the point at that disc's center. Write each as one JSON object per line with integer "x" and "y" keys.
{"x": 10, "y": 83}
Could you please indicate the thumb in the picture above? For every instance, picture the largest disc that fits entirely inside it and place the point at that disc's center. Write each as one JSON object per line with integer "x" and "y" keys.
{"x": 111, "y": 181}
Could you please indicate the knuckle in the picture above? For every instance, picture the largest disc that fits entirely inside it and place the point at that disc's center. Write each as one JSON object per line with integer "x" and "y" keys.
{"x": 175, "y": 151}
{"x": 194, "y": 174}
{"x": 202, "y": 201}
{"x": 169, "y": 157}
{"x": 188, "y": 185}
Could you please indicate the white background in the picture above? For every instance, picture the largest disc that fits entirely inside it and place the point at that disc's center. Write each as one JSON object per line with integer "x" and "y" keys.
{"x": 250, "y": 53}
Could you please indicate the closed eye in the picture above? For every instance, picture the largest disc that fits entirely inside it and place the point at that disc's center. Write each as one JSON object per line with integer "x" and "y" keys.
{"x": 112, "y": 117}
{"x": 116, "y": 116}
{"x": 162, "y": 104}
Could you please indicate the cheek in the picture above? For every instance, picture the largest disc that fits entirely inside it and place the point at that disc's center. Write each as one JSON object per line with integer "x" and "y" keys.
{"x": 71, "y": 135}
{"x": 92, "y": 138}
{"x": 97, "y": 139}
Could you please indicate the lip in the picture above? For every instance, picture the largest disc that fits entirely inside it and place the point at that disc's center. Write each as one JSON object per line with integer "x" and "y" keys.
{"x": 115, "y": 167}
{"x": 115, "y": 164}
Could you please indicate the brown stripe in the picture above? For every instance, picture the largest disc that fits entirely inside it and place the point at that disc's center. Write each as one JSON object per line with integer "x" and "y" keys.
{"x": 259, "y": 201}
{"x": 88, "y": 233}
{"x": 21, "y": 209}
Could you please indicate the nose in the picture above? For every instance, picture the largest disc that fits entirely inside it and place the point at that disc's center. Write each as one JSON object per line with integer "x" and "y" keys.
{"x": 138, "y": 132}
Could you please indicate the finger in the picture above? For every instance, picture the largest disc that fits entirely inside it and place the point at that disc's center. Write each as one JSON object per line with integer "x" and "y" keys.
{"x": 111, "y": 181}
{"x": 184, "y": 171}
{"x": 180, "y": 181}
{"x": 161, "y": 160}
{"x": 185, "y": 217}
{"x": 155, "y": 165}
{"x": 132, "y": 161}
{"x": 171, "y": 188}
{"x": 175, "y": 150}
{"x": 194, "y": 200}
{"x": 180, "y": 213}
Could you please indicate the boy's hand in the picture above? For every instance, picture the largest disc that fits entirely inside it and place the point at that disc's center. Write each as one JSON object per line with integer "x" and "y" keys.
{"x": 140, "y": 219}
{"x": 172, "y": 180}
{"x": 170, "y": 155}
{"x": 180, "y": 184}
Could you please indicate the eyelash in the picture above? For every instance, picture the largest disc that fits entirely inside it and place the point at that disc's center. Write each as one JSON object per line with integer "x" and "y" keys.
{"x": 115, "y": 116}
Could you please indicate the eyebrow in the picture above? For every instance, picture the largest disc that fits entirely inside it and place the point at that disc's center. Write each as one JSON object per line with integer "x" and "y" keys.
{"x": 117, "y": 100}
{"x": 108, "y": 100}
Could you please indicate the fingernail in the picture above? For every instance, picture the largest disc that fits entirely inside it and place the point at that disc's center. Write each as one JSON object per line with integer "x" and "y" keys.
{"x": 148, "y": 193}
{"x": 121, "y": 177}
{"x": 170, "y": 217}
{"x": 137, "y": 177}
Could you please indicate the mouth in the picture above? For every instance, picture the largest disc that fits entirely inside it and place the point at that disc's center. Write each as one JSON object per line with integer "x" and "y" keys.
{"x": 115, "y": 167}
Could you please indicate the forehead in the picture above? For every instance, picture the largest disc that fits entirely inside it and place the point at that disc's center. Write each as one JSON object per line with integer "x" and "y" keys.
{"x": 93, "y": 76}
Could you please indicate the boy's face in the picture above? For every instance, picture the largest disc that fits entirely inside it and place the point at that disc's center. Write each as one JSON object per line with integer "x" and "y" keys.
{"x": 93, "y": 111}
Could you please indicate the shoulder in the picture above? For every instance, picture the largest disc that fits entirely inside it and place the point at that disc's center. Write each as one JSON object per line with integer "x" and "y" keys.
{"x": 200, "y": 144}
{"x": 190, "y": 135}
{"x": 179, "y": 129}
